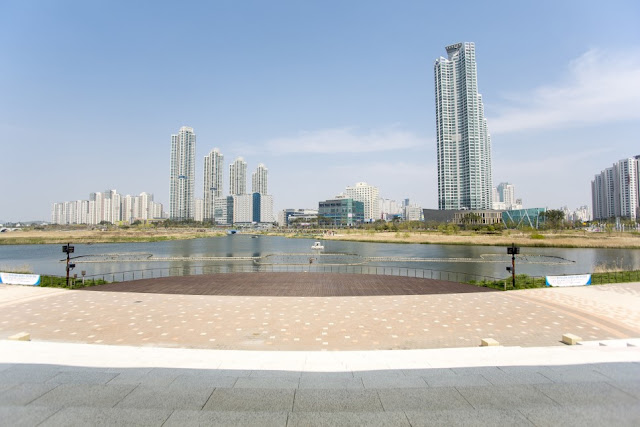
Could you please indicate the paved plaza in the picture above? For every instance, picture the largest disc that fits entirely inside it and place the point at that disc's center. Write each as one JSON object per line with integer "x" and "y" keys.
{"x": 535, "y": 317}
{"x": 142, "y": 358}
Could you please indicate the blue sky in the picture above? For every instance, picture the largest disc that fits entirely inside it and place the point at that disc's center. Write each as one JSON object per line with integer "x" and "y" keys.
{"x": 324, "y": 93}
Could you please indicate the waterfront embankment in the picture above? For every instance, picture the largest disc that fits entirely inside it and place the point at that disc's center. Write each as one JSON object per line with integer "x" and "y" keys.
{"x": 565, "y": 239}
{"x": 551, "y": 239}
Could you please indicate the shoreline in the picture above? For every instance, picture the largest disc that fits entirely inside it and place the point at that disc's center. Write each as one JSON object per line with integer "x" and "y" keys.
{"x": 565, "y": 239}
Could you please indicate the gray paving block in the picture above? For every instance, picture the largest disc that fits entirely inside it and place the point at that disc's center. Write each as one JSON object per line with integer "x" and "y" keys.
{"x": 83, "y": 416}
{"x": 391, "y": 373}
{"x": 233, "y": 372}
{"x": 585, "y": 415}
{"x": 586, "y": 393}
{"x": 394, "y": 382}
{"x": 630, "y": 386}
{"x": 618, "y": 371}
{"x": 331, "y": 383}
{"x": 22, "y": 416}
{"x": 523, "y": 369}
{"x": 170, "y": 397}
{"x": 480, "y": 370}
{"x": 428, "y": 373}
{"x": 148, "y": 377}
{"x": 523, "y": 377}
{"x": 23, "y": 394}
{"x": 327, "y": 375}
{"x": 467, "y": 417}
{"x": 275, "y": 374}
{"x": 132, "y": 376}
{"x": 5, "y": 366}
{"x": 574, "y": 374}
{"x": 243, "y": 400}
{"x": 308, "y": 400}
{"x": 204, "y": 381}
{"x": 268, "y": 382}
{"x": 505, "y": 397}
{"x": 28, "y": 373}
{"x": 211, "y": 418}
{"x": 82, "y": 377}
{"x": 457, "y": 381}
{"x": 95, "y": 395}
{"x": 376, "y": 419}
{"x": 438, "y": 398}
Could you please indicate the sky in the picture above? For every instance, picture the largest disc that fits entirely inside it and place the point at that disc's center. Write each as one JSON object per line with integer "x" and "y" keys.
{"x": 324, "y": 93}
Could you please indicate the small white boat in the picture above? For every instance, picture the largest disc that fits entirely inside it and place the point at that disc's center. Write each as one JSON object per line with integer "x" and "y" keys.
{"x": 317, "y": 245}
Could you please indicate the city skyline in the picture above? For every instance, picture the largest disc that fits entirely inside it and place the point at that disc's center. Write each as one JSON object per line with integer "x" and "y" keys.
{"x": 90, "y": 107}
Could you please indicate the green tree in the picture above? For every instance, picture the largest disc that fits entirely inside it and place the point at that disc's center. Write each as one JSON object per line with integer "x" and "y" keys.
{"x": 554, "y": 218}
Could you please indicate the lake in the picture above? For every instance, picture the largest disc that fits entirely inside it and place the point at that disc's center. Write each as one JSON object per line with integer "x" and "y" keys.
{"x": 280, "y": 251}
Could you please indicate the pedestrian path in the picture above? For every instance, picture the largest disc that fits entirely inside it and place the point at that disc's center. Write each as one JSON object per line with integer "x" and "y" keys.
{"x": 55, "y": 384}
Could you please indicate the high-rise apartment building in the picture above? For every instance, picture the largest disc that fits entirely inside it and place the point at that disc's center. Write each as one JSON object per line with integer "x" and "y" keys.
{"x": 182, "y": 176}
{"x": 107, "y": 206}
{"x": 463, "y": 141}
{"x": 259, "y": 180}
{"x": 370, "y": 196}
{"x": 238, "y": 177}
{"x": 615, "y": 192}
{"x": 213, "y": 171}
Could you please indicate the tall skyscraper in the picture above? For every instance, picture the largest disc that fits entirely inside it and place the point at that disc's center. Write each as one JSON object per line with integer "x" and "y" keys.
{"x": 182, "y": 177}
{"x": 463, "y": 141}
{"x": 238, "y": 177}
{"x": 259, "y": 180}
{"x": 213, "y": 169}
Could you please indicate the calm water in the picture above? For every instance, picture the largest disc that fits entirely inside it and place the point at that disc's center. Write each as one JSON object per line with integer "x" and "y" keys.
{"x": 45, "y": 259}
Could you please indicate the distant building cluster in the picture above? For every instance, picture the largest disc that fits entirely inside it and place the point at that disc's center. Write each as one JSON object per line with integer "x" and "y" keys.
{"x": 615, "y": 191}
{"x": 239, "y": 207}
{"x": 581, "y": 214}
{"x": 108, "y": 206}
{"x": 360, "y": 203}
{"x": 504, "y": 197}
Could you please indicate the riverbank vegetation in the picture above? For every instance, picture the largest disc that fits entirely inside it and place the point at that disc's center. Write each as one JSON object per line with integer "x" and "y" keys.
{"x": 103, "y": 234}
{"x": 524, "y": 281}
{"x": 377, "y": 232}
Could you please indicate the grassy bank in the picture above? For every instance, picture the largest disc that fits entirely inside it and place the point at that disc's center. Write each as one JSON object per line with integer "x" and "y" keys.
{"x": 39, "y": 237}
{"x": 527, "y": 282}
{"x": 61, "y": 282}
{"x": 564, "y": 239}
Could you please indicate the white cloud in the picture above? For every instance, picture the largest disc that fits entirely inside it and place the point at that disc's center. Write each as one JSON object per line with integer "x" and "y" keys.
{"x": 601, "y": 87}
{"x": 346, "y": 140}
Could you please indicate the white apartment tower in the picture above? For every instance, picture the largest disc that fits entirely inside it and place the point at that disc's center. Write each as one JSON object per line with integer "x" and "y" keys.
{"x": 463, "y": 141}
{"x": 182, "y": 177}
{"x": 370, "y": 196}
{"x": 213, "y": 170}
{"x": 259, "y": 180}
{"x": 615, "y": 191}
{"x": 238, "y": 177}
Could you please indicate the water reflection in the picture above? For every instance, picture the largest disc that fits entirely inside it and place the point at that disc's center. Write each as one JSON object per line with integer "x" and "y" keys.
{"x": 44, "y": 259}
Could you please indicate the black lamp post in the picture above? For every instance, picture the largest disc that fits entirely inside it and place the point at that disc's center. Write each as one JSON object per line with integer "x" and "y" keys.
{"x": 513, "y": 251}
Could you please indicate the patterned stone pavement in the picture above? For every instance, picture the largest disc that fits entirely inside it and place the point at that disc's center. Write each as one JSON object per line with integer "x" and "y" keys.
{"x": 536, "y": 317}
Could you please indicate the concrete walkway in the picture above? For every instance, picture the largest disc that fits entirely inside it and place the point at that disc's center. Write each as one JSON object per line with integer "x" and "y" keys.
{"x": 55, "y": 384}
{"x": 66, "y": 377}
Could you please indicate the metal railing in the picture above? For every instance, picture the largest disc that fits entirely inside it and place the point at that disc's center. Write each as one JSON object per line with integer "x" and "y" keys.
{"x": 453, "y": 276}
{"x": 153, "y": 273}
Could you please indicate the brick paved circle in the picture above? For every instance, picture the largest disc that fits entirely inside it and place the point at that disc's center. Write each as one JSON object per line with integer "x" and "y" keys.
{"x": 291, "y": 285}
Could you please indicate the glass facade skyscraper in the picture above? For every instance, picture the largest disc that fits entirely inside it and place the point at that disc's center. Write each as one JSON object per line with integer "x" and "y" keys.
{"x": 182, "y": 176}
{"x": 463, "y": 141}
